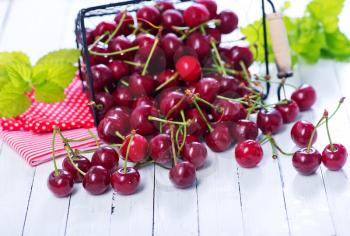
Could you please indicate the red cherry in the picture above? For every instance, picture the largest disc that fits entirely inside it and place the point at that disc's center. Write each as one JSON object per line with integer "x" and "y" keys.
{"x": 304, "y": 96}
{"x": 228, "y": 21}
{"x": 104, "y": 27}
{"x": 126, "y": 27}
{"x": 139, "y": 119}
{"x": 101, "y": 76}
{"x": 244, "y": 129}
{"x": 214, "y": 34}
{"x": 172, "y": 103}
{"x": 183, "y": 175}
{"x": 165, "y": 76}
{"x": 125, "y": 183}
{"x": 229, "y": 86}
{"x": 269, "y": 121}
{"x": 231, "y": 111}
{"x": 104, "y": 101}
{"x": 90, "y": 38}
{"x": 301, "y": 133}
{"x": 334, "y": 159}
{"x": 306, "y": 162}
{"x": 171, "y": 18}
{"x": 106, "y": 157}
{"x": 62, "y": 184}
{"x": 82, "y": 163}
{"x": 195, "y": 15}
{"x": 138, "y": 148}
{"x": 198, "y": 126}
{"x": 94, "y": 59}
{"x": 164, "y": 5}
{"x": 170, "y": 43}
{"x": 148, "y": 14}
{"x": 238, "y": 54}
{"x": 195, "y": 153}
{"x": 207, "y": 89}
{"x": 210, "y": 5}
{"x": 289, "y": 110}
{"x": 160, "y": 148}
{"x": 219, "y": 139}
{"x": 144, "y": 100}
{"x": 200, "y": 44}
{"x": 119, "y": 69}
{"x": 121, "y": 43}
{"x": 122, "y": 96}
{"x": 96, "y": 180}
{"x": 248, "y": 153}
{"x": 189, "y": 68}
{"x": 141, "y": 85}
{"x": 144, "y": 40}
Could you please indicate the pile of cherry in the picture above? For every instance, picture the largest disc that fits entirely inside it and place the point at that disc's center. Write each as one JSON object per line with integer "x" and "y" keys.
{"x": 164, "y": 85}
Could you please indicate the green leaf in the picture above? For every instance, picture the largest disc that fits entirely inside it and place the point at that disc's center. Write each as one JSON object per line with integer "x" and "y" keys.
{"x": 19, "y": 72}
{"x": 61, "y": 56}
{"x": 49, "y": 92}
{"x": 13, "y": 102}
{"x": 13, "y": 57}
{"x": 337, "y": 46}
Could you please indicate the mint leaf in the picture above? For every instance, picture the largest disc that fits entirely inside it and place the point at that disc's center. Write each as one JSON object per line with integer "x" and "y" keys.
{"x": 49, "y": 92}
{"x": 337, "y": 46}
{"x": 13, "y": 102}
{"x": 61, "y": 56}
{"x": 13, "y": 57}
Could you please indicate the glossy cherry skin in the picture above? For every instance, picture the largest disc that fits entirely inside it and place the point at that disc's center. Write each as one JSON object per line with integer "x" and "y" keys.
{"x": 165, "y": 76}
{"x": 104, "y": 101}
{"x": 334, "y": 159}
{"x": 121, "y": 43}
{"x": 306, "y": 162}
{"x": 94, "y": 59}
{"x": 269, "y": 121}
{"x": 122, "y": 96}
{"x": 231, "y": 111}
{"x": 301, "y": 133}
{"x": 144, "y": 100}
{"x": 96, "y": 180}
{"x": 126, "y": 27}
{"x": 125, "y": 183}
{"x": 144, "y": 40}
{"x": 195, "y": 15}
{"x": 248, "y": 153}
{"x": 139, "y": 119}
{"x": 189, "y": 68}
{"x": 90, "y": 38}
{"x": 148, "y": 14}
{"x": 119, "y": 69}
{"x": 237, "y": 54}
{"x": 101, "y": 76}
{"x": 141, "y": 85}
{"x": 207, "y": 89}
{"x": 198, "y": 126}
{"x": 214, "y": 34}
{"x": 183, "y": 174}
{"x": 164, "y": 5}
{"x": 160, "y": 148}
{"x": 61, "y": 185}
{"x": 104, "y": 27}
{"x": 244, "y": 129}
{"x": 172, "y": 18}
{"x": 189, "y": 139}
{"x": 117, "y": 119}
{"x": 228, "y": 21}
{"x": 170, "y": 44}
{"x": 82, "y": 163}
{"x": 106, "y": 157}
{"x": 138, "y": 148}
{"x": 195, "y": 153}
{"x": 288, "y": 110}
{"x": 210, "y": 5}
{"x": 172, "y": 103}
{"x": 229, "y": 86}
{"x": 219, "y": 139}
{"x": 304, "y": 96}
{"x": 199, "y": 43}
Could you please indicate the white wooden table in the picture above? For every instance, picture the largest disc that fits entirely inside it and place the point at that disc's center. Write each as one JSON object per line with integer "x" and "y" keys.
{"x": 227, "y": 200}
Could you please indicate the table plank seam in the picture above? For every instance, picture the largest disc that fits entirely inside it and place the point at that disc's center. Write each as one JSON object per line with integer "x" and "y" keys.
{"x": 28, "y": 202}
{"x": 154, "y": 194}
{"x": 7, "y": 13}
{"x": 66, "y": 222}
{"x": 198, "y": 225}
{"x": 240, "y": 199}
{"x": 337, "y": 76}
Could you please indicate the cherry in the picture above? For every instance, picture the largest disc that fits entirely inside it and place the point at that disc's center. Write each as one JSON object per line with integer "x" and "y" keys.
{"x": 96, "y": 180}
{"x": 231, "y": 111}
{"x": 214, "y": 34}
{"x": 122, "y": 96}
{"x": 195, "y": 153}
{"x": 144, "y": 100}
{"x": 301, "y": 133}
{"x": 141, "y": 85}
{"x": 210, "y": 5}
{"x": 138, "y": 148}
{"x": 183, "y": 175}
{"x": 104, "y": 27}
{"x": 144, "y": 40}
{"x": 219, "y": 139}
{"x": 94, "y": 59}
{"x": 334, "y": 158}
{"x": 116, "y": 120}
{"x": 184, "y": 51}
{"x": 289, "y": 110}
{"x": 106, "y": 157}
{"x": 305, "y": 161}
{"x": 198, "y": 126}
{"x": 207, "y": 89}
{"x": 171, "y": 18}
{"x": 238, "y": 54}
{"x": 119, "y": 69}
{"x": 101, "y": 76}
{"x": 269, "y": 121}
{"x": 139, "y": 119}
{"x": 121, "y": 43}
{"x": 165, "y": 76}
{"x": 172, "y": 103}
{"x": 62, "y": 184}
{"x": 189, "y": 139}
{"x": 160, "y": 148}
{"x": 157, "y": 62}
{"x": 125, "y": 183}
{"x": 304, "y": 96}
{"x": 170, "y": 44}
{"x": 164, "y": 5}
{"x": 189, "y": 68}
{"x": 126, "y": 27}
{"x": 243, "y": 130}
{"x": 104, "y": 102}
{"x": 248, "y": 153}
{"x": 148, "y": 14}
{"x": 228, "y": 21}
{"x": 89, "y": 36}
{"x": 195, "y": 15}
{"x": 199, "y": 43}
{"x": 82, "y": 163}
{"x": 229, "y": 86}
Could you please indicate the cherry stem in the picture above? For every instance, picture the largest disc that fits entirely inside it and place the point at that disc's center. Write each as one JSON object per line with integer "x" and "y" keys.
{"x": 275, "y": 82}
{"x": 202, "y": 115}
{"x": 150, "y": 56}
{"x": 116, "y": 52}
{"x": 123, "y": 82}
{"x": 191, "y": 30}
{"x": 184, "y": 135}
{"x": 173, "y": 144}
{"x": 173, "y": 109}
{"x": 152, "y": 25}
{"x": 283, "y": 81}
{"x": 133, "y": 63}
{"x": 245, "y": 72}
{"x": 328, "y": 133}
{"x": 171, "y": 79}
{"x": 217, "y": 54}
{"x": 98, "y": 40}
{"x": 313, "y": 133}
{"x": 336, "y": 110}
{"x": 117, "y": 28}
{"x": 94, "y": 137}
{"x": 152, "y": 118}
{"x": 78, "y": 139}
{"x": 273, "y": 147}
{"x": 132, "y": 135}
{"x": 240, "y": 100}
{"x": 196, "y": 97}
{"x": 119, "y": 135}
{"x": 273, "y": 143}
{"x": 53, "y": 151}
{"x": 263, "y": 140}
